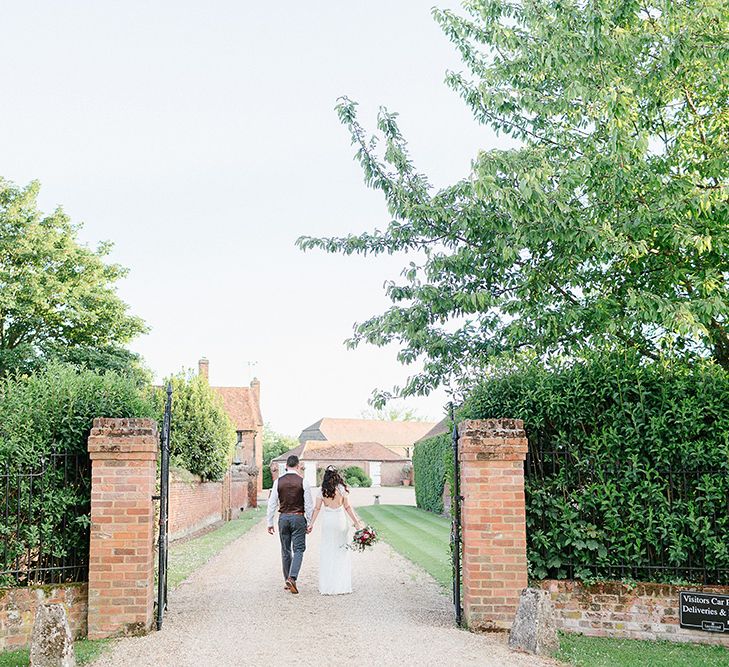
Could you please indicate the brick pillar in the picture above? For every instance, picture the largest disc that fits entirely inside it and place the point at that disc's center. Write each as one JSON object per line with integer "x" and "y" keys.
{"x": 121, "y": 560}
{"x": 492, "y": 456}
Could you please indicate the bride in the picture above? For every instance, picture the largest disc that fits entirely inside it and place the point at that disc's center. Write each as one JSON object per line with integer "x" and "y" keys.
{"x": 335, "y": 566}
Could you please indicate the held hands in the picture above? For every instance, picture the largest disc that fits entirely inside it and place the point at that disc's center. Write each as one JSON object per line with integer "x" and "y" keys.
{"x": 271, "y": 530}
{"x": 309, "y": 528}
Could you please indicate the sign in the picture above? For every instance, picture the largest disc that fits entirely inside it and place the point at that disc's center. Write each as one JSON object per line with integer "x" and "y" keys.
{"x": 703, "y": 611}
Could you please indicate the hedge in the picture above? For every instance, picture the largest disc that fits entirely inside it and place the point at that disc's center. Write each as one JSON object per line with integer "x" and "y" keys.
{"x": 628, "y": 472}
{"x": 431, "y": 459}
{"x": 51, "y": 412}
{"x": 54, "y": 409}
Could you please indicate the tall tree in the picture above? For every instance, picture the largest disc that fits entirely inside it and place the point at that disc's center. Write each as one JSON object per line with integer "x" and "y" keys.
{"x": 57, "y": 296}
{"x": 608, "y": 226}
{"x": 393, "y": 413}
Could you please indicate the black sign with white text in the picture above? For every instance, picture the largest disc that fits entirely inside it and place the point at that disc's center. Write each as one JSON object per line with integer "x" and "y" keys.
{"x": 703, "y": 611}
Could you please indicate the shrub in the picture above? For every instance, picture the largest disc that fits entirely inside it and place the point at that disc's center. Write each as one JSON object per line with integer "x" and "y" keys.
{"x": 629, "y": 465}
{"x": 355, "y": 476}
{"x": 202, "y": 437}
{"x": 53, "y": 411}
{"x": 274, "y": 444}
{"x": 430, "y": 459}
{"x": 55, "y": 408}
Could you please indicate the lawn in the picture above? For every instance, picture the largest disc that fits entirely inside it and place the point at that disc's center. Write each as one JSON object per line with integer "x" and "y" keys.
{"x": 86, "y": 651}
{"x": 184, "y": 559}
{"x": 420, "y": 536}
{"x": 424, "y": 539}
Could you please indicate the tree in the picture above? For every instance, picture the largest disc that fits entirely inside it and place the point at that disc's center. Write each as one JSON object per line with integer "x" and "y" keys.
{"x": 393, "y": 413}
{"x": 607, "y": 227}
{"x": 202, "y": 437}
{"x": 57, "y": 297}
{"x": 274, "y": 444}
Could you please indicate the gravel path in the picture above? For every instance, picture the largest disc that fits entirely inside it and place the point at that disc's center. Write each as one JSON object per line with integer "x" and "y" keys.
{"x": 234, "y": 611}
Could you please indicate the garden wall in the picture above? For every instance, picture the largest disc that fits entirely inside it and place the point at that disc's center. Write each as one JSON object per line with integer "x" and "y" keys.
{"x": 614, "y": 609}
{"x": 196, "y": 504}
{"x": 18, "y": 607}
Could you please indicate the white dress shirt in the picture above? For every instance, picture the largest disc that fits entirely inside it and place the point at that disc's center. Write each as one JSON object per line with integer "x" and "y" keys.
{"x": 273, "y": 500}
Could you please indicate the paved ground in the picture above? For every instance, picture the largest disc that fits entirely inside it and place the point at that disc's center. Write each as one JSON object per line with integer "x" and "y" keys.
{"x": 234, "y": 611}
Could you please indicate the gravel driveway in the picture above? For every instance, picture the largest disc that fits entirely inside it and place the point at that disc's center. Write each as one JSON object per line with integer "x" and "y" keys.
{"x": 234, "y": 611}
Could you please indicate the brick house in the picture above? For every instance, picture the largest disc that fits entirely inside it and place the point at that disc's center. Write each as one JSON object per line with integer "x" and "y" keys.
{"x": 398, "y": 436}
{"x": 243, "y": 405}
{"x": 384, "y": 466}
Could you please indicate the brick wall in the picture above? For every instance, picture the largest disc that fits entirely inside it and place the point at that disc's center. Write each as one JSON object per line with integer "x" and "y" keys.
{"x": 18, "y": 607}
{"x": 195, "y": 504}
{"x": 491, "y": 453}
{"x": 391, "y": 473}
{"x": 239, "y": 483}
{"x": 614, "y": 609}
{"x": 123, "y": 455}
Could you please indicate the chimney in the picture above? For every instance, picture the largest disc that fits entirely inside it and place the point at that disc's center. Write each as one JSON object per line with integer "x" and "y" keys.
{"x": 256, "y": 388}
{"x": 203, "y": 366}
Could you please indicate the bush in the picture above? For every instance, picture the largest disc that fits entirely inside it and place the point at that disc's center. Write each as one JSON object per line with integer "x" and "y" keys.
{"x": 430, "y": 460}
{"x": 202, "y": 437}
{"x": 55, "y": 408}
{"x": 629, "y": 463}
{"x": 49, "y": 412}
{"x": 274, "y": 444}
{"x": 354, "y": 476}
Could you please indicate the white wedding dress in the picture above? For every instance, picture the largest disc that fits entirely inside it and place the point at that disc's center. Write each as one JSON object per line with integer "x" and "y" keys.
{"x": 335, "y": 562}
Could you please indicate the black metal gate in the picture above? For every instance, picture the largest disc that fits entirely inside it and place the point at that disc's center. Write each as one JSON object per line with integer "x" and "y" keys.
{"x": 456, "y": 524}
{"x": 164, "y": 505}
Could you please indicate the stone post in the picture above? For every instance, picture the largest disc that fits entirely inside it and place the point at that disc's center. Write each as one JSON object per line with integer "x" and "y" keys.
{"x": 492, "y": 454}
{"x": 121, "y": 559}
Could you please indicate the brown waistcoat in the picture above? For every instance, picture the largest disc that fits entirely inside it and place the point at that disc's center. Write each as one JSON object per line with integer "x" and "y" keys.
{"x": 290, "y": 494}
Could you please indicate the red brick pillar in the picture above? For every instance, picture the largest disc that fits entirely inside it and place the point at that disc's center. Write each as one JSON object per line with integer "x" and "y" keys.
{"x": 492, "y": 456}
{"x": 121, "y": 560}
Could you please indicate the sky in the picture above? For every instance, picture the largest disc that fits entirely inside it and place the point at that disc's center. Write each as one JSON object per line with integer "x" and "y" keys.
{"x": 201, "y": 139}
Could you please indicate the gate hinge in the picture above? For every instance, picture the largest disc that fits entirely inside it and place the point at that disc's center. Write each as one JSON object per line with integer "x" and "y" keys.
{"x": 156, "y": 497}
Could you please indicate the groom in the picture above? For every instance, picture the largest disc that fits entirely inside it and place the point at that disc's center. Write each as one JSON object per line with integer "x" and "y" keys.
{"x": 292, "y": 496}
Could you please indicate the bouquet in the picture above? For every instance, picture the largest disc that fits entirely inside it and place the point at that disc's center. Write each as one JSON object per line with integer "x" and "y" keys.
{"x": 363, "y": 538}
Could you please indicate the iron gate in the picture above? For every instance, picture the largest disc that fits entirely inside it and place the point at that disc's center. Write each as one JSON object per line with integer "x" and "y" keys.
{"x": 456, "y": 523}
{"x": 164, "y": 505}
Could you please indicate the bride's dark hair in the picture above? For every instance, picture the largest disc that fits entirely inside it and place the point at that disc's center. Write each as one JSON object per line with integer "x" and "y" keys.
{"x": 332, "y": 479}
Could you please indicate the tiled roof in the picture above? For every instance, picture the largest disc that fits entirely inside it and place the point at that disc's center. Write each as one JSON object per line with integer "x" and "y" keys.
{"x": 387, "y": 433}
{"x": 242, "y": 407}
{"x": 317, "y": 450}
{"x": 296, "y": 451}
{"x": 439, "y": 429}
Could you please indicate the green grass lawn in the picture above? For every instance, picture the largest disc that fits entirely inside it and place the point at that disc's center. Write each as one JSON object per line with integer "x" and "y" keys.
{"x": 420, "y": 536}
{"x": 86, "y": 651}
{"x": 424, "y": 539}
{"x": 184, "y": 559}
{"x": 603, "y": 652}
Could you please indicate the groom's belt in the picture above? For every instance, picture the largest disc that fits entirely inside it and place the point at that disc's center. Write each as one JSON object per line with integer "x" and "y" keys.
{"x": 297, "y": 513}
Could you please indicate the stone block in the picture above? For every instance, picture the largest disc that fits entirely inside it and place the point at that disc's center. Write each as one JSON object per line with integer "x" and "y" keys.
{"x": 51, "y": 642}
{"x": 534, "y": 628}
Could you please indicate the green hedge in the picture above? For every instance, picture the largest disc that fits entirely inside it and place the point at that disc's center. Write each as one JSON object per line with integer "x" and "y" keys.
{"x": 431, "y": 460}
{"x": 49, "y": 412}
{"x": 629, "y": 466}
{"x": 54, "y": 409}
{"x": 202, "y": 437}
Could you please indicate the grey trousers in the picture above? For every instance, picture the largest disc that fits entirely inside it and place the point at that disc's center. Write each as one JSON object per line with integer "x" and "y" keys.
{"x": 292, "y": 532}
